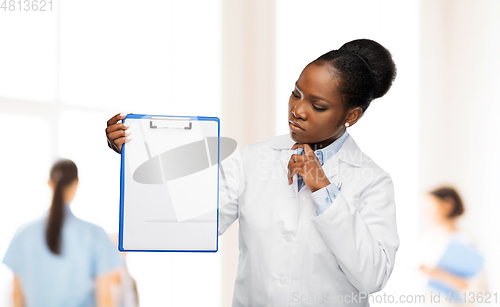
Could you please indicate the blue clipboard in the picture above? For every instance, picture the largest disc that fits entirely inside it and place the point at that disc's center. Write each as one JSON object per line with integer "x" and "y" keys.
{"x": 461, "y": 259}
{"x": 169, "y": 184}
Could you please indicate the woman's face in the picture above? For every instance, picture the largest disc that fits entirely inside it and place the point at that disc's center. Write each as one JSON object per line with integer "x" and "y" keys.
{"x": 436, "y": 209}
{"x": 318, "y": 108}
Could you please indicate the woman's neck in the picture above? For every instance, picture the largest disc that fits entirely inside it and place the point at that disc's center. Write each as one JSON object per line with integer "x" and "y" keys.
{"x": 449, "y": 225}
{"x": 325, "y": 143}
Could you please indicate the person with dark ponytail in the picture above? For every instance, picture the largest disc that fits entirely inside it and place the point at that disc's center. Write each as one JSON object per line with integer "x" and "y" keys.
{"x": 317, "y": 216}
{"x": 60, "y": 260}
{"x": 63, "y": 179}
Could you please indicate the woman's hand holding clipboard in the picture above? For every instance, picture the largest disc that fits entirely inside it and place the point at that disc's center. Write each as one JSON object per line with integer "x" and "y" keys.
{"x": 116, "y": 132}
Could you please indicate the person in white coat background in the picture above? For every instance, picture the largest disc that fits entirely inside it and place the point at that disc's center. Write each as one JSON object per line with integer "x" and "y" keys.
{"x": 302, "y": 240}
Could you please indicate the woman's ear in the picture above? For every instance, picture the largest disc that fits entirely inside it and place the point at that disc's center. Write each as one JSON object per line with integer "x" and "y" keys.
{"x": 448, "y": 205}
{"x": 353, "y": 116}
{"x": 51, "y": 185}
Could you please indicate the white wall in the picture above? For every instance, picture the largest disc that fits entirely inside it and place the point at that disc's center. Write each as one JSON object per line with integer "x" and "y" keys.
{"x": 459, "y": 106}
{"x": 248, "y": 96}
{"x": 63, "y": 75}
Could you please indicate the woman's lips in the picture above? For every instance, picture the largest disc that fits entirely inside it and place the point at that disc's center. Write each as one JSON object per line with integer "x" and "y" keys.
{"x": 295, "y": 127}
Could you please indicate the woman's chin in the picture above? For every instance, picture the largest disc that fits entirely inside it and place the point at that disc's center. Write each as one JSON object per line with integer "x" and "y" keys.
{"x": 294, "y": 136}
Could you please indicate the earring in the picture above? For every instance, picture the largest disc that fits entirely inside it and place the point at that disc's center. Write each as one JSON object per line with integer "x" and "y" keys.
{"x": 347, "y": 124}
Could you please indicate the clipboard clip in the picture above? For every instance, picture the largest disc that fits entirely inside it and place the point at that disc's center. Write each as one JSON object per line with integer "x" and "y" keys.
{"x": 170, "y": 123}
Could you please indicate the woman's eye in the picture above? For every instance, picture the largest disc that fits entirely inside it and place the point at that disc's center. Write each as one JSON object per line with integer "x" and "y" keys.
{"x": 319, "y": 109}
{"x": 295, "y": 95}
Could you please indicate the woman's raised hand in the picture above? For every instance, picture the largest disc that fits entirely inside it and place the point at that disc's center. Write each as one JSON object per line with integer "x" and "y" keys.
{"x": 309, "y": 167}
{"x": 116, "y": 132}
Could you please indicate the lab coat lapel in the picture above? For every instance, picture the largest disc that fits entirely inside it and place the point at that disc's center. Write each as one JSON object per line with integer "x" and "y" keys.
{"x": 285, "y": 156}
{"x": 331, "y": 167}
{"x": 348, "y": 153}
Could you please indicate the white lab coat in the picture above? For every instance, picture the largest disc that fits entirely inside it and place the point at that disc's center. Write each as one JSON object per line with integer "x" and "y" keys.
{"x": 289, "y": 256}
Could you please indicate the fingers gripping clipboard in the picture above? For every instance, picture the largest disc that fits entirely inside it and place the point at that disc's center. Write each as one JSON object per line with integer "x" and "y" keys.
{"x": 169, "y": 184}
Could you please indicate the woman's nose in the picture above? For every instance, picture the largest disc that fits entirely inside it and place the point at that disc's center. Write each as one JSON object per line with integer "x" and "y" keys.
{"x": 299, "y": 110}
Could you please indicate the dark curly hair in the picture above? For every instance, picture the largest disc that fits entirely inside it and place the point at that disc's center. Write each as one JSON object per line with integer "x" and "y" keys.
{"x": 364, "y": 70}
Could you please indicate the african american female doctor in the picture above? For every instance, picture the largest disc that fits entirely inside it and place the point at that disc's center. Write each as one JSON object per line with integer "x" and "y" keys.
{"x": 302, "y": 240}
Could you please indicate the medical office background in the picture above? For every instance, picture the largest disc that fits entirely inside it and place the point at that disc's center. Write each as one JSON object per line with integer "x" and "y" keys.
{"x": 64, "y": 73}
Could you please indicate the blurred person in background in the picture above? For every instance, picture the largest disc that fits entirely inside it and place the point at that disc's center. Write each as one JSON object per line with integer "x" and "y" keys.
{"x": 60, "y": 260}
{"x": 443, "y": 210}
{"x": 125, "y": 292}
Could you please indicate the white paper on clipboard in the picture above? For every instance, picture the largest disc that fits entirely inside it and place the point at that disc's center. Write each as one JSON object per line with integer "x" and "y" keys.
{"x": 170, "y": 186}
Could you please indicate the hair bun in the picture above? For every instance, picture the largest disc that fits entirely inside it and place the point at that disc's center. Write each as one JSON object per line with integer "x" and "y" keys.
{"x": 379, "y": 60}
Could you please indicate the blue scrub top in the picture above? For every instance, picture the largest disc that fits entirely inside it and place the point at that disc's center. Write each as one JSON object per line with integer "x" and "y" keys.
{"x": 67, "y": 279}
